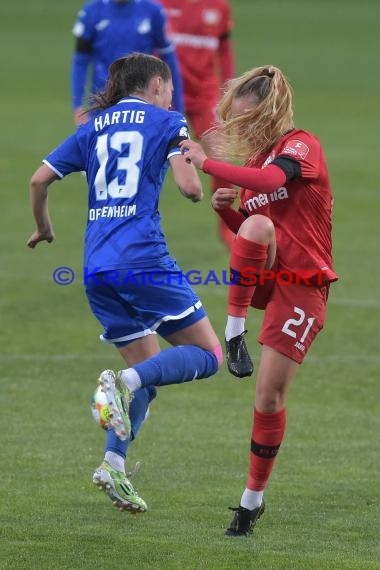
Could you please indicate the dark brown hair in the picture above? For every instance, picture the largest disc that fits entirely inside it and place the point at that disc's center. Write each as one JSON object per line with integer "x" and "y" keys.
{"x": 129, "y": 75}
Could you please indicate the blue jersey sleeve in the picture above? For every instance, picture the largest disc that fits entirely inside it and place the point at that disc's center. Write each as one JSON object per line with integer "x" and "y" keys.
{"x": 171, "y": 59}
{"x": 161, "y": 40}
{"x": 178, "y": 132}
{"x": 84, "y": 26}
{"x": 66, "y": 158}
{"x": 83, "y": 30}
{"x": 79, "y": 66}
{"x": 167, "y": 52}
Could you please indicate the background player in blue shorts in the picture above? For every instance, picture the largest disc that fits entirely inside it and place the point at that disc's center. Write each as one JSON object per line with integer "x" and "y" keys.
{"x": 133, "y": 285}
{"x": 106, "y": 30}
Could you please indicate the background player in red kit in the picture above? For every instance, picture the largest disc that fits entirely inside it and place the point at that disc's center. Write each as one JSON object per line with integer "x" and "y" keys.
{"x": 283, "y": 224}
{"x": 200, "y": 30}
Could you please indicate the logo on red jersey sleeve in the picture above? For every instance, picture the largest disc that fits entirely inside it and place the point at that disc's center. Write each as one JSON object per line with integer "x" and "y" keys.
{"x": 296, "y": 148}
{"x": 211, "y": 17}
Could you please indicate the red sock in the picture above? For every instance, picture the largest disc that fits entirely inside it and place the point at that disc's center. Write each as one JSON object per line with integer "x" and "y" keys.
{"x": 267, "y": 435}
{"x": 247, "y": 260}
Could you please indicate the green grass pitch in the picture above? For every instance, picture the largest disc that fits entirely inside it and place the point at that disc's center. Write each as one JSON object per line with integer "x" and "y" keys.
{"x": 323, "y": 496}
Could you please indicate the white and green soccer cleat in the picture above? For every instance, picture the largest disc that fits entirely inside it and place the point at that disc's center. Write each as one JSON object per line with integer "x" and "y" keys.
{"x": 118, "y": 397}
{"x": 119, "y": 489}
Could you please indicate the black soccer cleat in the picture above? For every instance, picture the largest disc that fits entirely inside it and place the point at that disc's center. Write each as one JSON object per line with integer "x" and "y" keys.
{"x": 238, "y": 360}
{"x": 244, "y": 520}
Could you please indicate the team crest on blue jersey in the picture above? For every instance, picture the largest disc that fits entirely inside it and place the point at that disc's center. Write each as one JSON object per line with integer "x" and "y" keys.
{"x": 184, "y": 132}
{"x": 102, "y": 25}
{"x": 144, "y": 27}
{"x": 78, "y": 29}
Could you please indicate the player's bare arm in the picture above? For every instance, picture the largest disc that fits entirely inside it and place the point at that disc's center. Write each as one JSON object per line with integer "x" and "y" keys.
{"x": 38, "y": 189}
{"x": 186, "y": 178}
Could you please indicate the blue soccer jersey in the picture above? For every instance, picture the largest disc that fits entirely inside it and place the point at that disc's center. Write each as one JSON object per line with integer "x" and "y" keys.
{"x": 114, "y": 30}
{"x": 124, "y": 151}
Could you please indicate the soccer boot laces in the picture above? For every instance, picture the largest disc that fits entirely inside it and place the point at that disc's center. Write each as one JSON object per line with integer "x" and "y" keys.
{"x": 119, "y": 489}
{"x": 238, "y": 360}
{"x": 118, "y": 397}
{"x": 133, "y": 472}
{"x": 244, "y": 520}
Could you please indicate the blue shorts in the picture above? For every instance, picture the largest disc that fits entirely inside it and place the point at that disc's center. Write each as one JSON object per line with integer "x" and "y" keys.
{"x": 131, "y": 304}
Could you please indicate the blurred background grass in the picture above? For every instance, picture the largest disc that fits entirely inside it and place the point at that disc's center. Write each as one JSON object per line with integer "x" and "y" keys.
{"x": 323, "y": 496}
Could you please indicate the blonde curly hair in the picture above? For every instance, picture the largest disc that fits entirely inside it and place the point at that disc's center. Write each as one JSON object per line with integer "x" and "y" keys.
{"x": 268, "y": 116}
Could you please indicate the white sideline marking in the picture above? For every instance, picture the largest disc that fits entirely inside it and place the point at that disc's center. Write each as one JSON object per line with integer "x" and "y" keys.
{"x": 312, "y": 359}
{"x": 220, "y": 291}
{"x": 51, "y": 357}
{"x": 367, "y": 303}
{"x": 344, "y": 358}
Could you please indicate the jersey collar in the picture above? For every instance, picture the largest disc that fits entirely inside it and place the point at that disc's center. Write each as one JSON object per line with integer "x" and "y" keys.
{"x": 132, "y": 100}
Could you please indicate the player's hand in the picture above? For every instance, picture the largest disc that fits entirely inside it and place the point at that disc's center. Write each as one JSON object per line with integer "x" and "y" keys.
{"x": 38, "y": 236}
{"x": 193, "y": 152}
{"x": 80, "y": 116}
{"x": 223, "y": 198}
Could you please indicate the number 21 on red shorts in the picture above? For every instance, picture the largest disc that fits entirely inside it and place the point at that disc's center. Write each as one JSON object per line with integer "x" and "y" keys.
{"x": 293, "y": 317}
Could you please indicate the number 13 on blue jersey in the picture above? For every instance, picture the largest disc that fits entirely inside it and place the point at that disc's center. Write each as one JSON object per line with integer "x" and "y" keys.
{"x": 129, "y": 164}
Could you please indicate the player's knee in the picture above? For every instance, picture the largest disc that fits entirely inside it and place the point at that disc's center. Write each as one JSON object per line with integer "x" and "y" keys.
{"x": 269, "y": 401}
{"x": 258, "y": 228}
{"x": 212, "y": 359}
{"x": 217, "y": 351}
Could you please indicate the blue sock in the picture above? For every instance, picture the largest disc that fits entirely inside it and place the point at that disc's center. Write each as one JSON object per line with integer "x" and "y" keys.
{"x": 137, "y": 413}
{"x": 176, "y": 365}
{"x": 139, "y": 407}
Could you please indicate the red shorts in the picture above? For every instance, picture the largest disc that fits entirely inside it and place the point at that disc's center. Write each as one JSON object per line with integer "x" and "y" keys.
{"x": 294, "y": 315}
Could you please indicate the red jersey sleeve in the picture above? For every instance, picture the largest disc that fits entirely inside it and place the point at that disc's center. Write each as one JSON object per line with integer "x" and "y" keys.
{"x": 306, "y": 149}
{"x": 265, "y": 179}
{"x": 232, "y": 218}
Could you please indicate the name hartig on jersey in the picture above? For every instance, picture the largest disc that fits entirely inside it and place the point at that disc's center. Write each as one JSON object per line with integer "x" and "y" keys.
{"x": 118, "y": 117}
{"x": 264, "y": 199}
{"x": 112, "y": 212}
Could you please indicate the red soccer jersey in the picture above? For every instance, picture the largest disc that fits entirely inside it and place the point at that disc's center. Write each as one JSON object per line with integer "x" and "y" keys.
{"x": 300, "y": 210}
{"x": 196, "y": 27}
